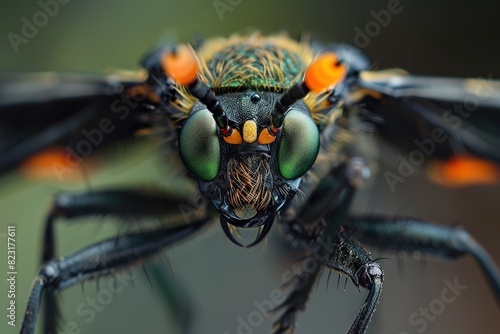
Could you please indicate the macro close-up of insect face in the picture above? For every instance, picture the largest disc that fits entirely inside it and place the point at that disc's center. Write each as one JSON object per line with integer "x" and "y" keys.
{"x": 251, "y": 179}
{"x": 247, "y": 167}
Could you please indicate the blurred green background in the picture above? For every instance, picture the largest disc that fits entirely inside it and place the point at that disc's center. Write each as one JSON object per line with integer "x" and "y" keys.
{"x": 457, "y": 38}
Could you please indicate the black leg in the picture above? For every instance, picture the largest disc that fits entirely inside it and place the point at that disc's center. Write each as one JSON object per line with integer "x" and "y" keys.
{"x": 351, "y": 259}
{"x": 343, "y": 254}
{"x": 124, "y": 203}
{"x": 173, "y": 294}
{"x": 325, "y": 246}
{"x": 101, "y": 259}
{"x": 50, "y": 307}
{"x": 405, "y": 234}
{"x": 295, "y": 302}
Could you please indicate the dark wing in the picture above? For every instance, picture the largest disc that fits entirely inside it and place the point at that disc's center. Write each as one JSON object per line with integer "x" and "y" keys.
{"x": 44, "y": 109}
{"x": 459, "y": 116}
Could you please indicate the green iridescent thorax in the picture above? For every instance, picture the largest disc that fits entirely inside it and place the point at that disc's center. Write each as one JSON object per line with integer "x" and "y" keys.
{"x": 266, "y": 67}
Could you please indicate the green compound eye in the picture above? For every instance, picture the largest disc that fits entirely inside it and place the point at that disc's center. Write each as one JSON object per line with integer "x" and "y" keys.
{"x": 299, "y": 145}
{"x": 199, "y": 145}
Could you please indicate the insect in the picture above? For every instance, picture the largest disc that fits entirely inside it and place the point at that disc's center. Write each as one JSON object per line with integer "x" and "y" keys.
{"x": 263, "y": 126}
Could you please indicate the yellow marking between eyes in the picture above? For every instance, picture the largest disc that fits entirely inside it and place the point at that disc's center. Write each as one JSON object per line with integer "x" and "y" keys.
{"x": 250, "y": 131}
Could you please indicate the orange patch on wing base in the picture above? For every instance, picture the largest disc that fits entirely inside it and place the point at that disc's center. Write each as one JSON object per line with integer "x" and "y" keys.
{"x": 53, "y": 164}
{"x": 142, "y": 91}
{"x": 463, "y": 171}
{"x": 324, "y": 72}
{"x": 181, "y": 65}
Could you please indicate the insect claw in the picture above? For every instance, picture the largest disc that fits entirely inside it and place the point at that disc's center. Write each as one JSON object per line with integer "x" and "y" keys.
{"x": 262, "y": 232}
{"x": 227, "y": 231}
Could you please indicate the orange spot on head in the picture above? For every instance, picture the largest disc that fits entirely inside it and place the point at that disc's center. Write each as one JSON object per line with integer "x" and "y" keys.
{"x": 462, "y": 171}
{"x": 324, "y": 72}
{"x": 265, "y": 137}
{"x": 182, "y": 65}
{"x": 234, "y": 138}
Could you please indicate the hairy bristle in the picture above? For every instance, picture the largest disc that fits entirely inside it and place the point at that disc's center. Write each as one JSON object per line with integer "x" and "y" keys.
{"x": 247, "y": 183}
